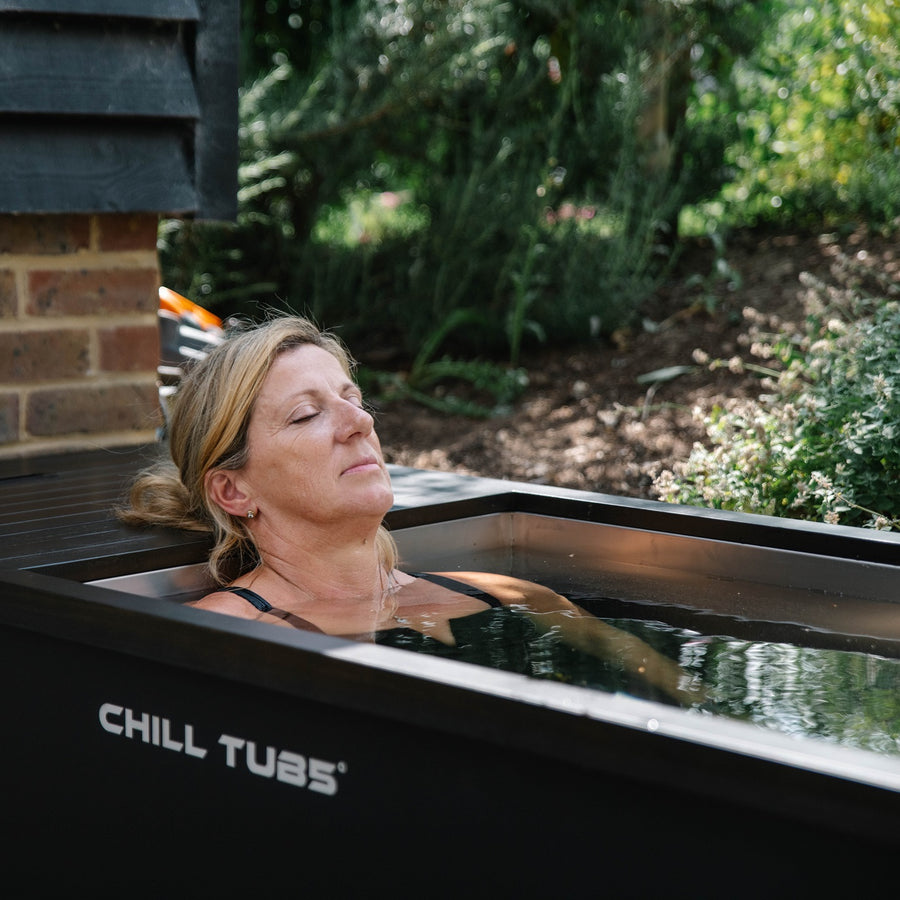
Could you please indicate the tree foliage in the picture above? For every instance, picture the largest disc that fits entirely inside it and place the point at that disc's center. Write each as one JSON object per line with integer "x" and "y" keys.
{"x": 520, "y": 161}
{"x": 819, "y": 112}
{"x": 472, "y": 176}
{"x": 818, "y": 148}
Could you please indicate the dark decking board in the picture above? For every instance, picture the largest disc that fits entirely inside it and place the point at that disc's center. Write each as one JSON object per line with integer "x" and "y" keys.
{"x": 59, "y": 512}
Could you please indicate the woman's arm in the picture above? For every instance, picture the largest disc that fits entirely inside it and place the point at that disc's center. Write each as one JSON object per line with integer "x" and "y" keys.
{"x": 578, "y": 628}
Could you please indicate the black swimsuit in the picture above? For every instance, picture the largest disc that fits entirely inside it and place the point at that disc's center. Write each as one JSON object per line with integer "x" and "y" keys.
{"x": 295, "y": 621}
{"x": 499, "y": 637}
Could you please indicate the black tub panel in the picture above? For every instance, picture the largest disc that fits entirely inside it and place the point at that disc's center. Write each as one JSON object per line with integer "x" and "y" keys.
{"x": 412, "y": 805}
{"x": 437, "y": 768}
{"x": 448, "y": 778}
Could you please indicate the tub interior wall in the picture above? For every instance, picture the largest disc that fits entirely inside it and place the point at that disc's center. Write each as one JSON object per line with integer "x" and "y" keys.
{"x": 660, "y": 570}
{"x": 753, "y": 583}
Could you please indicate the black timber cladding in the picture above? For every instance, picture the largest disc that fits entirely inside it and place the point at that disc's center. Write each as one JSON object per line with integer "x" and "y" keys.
{"x": 119, "y": 106}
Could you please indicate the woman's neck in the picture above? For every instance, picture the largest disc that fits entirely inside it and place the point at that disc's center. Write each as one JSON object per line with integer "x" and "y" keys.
{"x": 326, "y": 574}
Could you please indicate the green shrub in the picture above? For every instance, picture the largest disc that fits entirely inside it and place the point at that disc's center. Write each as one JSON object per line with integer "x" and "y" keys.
{"x": 487, "y": 122}
{"x": 822, "y": 442}
{"x": 818, "y": 109}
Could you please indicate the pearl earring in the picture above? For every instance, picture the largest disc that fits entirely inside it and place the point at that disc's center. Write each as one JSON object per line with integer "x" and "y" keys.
{"x": 251, "y": 514}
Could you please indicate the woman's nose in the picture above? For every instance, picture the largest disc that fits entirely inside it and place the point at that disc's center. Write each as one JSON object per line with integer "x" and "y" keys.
{"x": 355, "y": 420}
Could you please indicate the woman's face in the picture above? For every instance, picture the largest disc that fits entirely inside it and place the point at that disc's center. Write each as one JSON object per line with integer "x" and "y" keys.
{"x": 313, "y": 453}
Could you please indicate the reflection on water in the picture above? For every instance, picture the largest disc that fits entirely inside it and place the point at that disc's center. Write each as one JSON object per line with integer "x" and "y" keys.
{"x": 842, "y": 696}
{"x": 846, "y": 697}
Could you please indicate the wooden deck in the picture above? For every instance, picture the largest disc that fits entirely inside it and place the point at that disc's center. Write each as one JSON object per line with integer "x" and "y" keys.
{"x": 57, "y": 513}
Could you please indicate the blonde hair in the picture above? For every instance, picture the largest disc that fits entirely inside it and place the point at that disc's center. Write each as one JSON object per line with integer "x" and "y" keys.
{"x": 208, "y": 430}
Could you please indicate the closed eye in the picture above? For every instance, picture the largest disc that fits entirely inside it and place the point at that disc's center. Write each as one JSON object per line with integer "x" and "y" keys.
{"x": 357, "y": 400}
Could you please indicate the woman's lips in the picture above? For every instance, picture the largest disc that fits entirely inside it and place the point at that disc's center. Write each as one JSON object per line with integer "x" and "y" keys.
{"x": 362, "y": 464}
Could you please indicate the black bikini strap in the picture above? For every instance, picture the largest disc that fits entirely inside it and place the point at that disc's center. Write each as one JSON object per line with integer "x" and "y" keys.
{"x": 460, "y": 587}
{"x": 260, "y": 603}
{"x": 263, "y": 605}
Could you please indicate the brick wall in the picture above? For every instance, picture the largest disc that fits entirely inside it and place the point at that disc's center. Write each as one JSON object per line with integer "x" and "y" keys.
{"x": 79, "y": 340}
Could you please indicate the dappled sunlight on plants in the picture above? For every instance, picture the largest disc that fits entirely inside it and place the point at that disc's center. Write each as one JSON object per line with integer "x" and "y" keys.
{"x": 820, "y": 112}
{"x": 492, "y": 204}
{"x": 370, "y": 218}
{"x": 821, "y": 441}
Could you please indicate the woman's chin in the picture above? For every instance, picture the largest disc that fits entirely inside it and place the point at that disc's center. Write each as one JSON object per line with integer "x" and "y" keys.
{"x": 375, "y": 502}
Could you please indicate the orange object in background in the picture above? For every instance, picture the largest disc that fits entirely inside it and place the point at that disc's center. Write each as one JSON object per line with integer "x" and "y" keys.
{"x": 187, "y": 332}
{"x": 186, "y": 309}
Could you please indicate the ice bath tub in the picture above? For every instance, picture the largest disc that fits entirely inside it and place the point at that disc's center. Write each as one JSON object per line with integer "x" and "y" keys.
{"x": 152, "y": 747}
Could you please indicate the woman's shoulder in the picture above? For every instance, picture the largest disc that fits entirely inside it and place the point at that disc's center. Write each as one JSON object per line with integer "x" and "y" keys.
{"x": 226, "y": 601}
{"x": 512, "y": 590}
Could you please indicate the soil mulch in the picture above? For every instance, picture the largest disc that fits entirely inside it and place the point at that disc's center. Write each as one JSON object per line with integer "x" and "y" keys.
{"x": 586, "y": 421}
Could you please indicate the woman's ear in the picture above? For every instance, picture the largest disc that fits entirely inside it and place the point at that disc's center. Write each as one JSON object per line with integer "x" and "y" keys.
{"x": 225, "y": 488}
